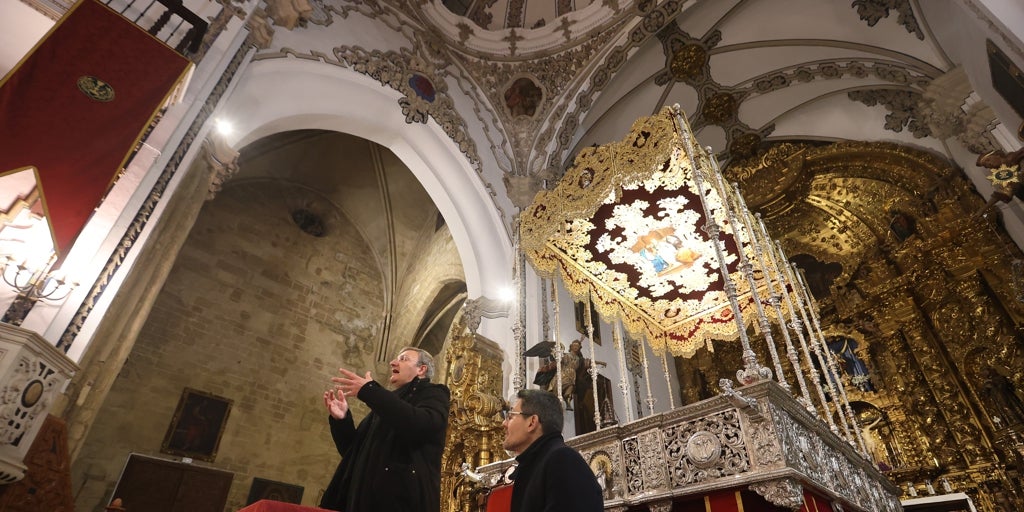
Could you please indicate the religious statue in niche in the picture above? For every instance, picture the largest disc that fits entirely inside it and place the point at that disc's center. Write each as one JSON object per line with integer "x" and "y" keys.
{"x": 1005, "y": 406}
{"x": 845, "y": 347}
{"x": 523, "y": 97}
{"x": 901, "y": 224}
{"x": 878, "y": 436}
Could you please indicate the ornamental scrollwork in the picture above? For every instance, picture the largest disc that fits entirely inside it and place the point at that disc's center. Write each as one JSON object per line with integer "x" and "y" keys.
{"x": 766, "y": 446}
{"x": 784, "y": 492}
{"x": 24, "y": 397}
{"x": 705, "y": 449}
{"x": 872, "y": 11}
{"x": 652, "y": 460}
{"x": 634, "y": 471}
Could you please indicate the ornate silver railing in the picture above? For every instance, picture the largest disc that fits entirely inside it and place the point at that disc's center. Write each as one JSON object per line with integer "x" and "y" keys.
{"x": 758, "y": 438}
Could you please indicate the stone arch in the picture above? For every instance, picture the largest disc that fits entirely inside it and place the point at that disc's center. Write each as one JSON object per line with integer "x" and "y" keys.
{"x": 286, "y": 94}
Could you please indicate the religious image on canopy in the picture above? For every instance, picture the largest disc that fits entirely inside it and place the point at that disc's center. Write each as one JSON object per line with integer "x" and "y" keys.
{"x": 647, "y": 229}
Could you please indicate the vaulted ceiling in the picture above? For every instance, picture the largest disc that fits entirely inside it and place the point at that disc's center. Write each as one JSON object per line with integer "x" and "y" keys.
{"x": 750, "y": 75}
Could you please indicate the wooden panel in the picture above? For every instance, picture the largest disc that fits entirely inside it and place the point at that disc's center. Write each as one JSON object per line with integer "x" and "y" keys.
{"x": 47, "y": 482}
{"x": 157, "y": 485}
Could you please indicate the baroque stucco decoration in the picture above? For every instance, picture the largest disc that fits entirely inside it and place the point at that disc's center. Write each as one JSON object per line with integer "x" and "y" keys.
{"x": 872, "y": 11}
{"x": 688, "y": 61}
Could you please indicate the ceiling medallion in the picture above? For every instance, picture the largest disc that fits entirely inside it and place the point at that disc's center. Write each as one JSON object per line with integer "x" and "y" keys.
{"x": 688, "y": 63}
{"x": 96, "y": 89}
{"x": 422, "y": 87}
{"x": 719, "y": 108}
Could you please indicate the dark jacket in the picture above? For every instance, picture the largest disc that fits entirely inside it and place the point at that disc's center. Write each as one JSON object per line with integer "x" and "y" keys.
{"x": 392, "y": 462}
{"x": 552, "y": 477}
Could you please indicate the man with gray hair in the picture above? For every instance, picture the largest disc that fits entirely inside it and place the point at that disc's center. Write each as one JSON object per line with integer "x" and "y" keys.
{"x": 392, "y": 461}
{"x": 550, "y": 477}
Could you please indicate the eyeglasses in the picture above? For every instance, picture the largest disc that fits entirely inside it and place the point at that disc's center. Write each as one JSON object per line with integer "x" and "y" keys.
{"x": 405, "y": 359}
{"x": 507, "y": 414}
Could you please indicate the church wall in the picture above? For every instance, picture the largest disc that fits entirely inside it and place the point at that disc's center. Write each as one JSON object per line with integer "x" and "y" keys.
{"x": 436, "y": 264}
{"x": 260, "y": 313}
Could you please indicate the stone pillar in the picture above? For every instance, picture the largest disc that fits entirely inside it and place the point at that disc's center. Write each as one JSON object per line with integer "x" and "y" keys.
{"x": 116, "y": 334}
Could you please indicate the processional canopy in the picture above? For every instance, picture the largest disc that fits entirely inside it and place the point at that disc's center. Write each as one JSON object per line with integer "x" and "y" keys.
{"x": 632, "y": 225}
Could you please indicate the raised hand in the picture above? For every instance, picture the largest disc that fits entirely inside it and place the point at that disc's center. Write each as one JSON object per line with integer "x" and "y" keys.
{"x": 350, "y": 383}
{"x": 336, "y": 403}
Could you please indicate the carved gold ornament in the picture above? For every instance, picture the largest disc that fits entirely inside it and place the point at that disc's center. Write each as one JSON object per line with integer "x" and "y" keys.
{"x": 628, "y": 226}
{"x": 688, "y": 62}
{"x": 1004, "y": 176}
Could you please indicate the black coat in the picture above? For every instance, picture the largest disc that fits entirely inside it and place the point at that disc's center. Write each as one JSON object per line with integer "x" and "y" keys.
{"x": 552, "y": 477}
{"x": 392, "y": 462}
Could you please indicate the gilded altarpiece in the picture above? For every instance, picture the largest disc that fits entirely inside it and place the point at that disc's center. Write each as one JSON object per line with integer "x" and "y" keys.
{"x": 920, "y": 279}
{"x": 474, "y": 375}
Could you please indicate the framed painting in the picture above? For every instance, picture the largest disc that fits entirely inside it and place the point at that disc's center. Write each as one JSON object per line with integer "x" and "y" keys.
{"x": 197, "y": 425}
{"x": 580, "y": 311}
{"x": 1007, "y": 78}
{"x": 263, "y": 489}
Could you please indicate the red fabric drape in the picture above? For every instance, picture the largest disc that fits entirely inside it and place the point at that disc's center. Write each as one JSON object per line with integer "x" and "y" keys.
{"x": 500, "y": 499}
{"x": 727, "y": 501}
{"x": 815, "y": 503}
{"x": 77, "y": 143}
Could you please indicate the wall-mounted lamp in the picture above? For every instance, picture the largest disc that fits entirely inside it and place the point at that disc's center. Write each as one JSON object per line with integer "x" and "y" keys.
{"x": 32, "y": 285}
{"x": 35, "y": 283}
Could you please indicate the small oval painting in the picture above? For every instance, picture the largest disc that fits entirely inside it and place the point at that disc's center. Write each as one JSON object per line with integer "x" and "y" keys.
{"x": 95, "y": 88}
{"x": 423, "y": 87}
{"x": 523, "y": 97}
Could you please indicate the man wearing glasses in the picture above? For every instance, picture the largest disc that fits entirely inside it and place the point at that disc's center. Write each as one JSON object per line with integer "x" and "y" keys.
{"x": 550, "y": 476}
{"x": 392, "y": 462}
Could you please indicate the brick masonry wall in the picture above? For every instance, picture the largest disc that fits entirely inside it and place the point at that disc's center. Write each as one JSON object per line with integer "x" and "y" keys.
{"x": 438, "y": 263}
{"x": 258, "y": 312}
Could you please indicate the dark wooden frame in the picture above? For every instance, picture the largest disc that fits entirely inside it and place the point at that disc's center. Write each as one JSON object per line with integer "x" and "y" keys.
{"x": 580, "y": 313}
{"x": 263, "y": 489}
{"x": 197, "y": 426}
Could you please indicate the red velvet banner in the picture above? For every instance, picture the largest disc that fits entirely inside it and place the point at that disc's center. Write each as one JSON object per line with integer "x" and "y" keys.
{"x": 727, "y": 501}
{"x": 815, "y": 503}
{"x": 76, "y": 106}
